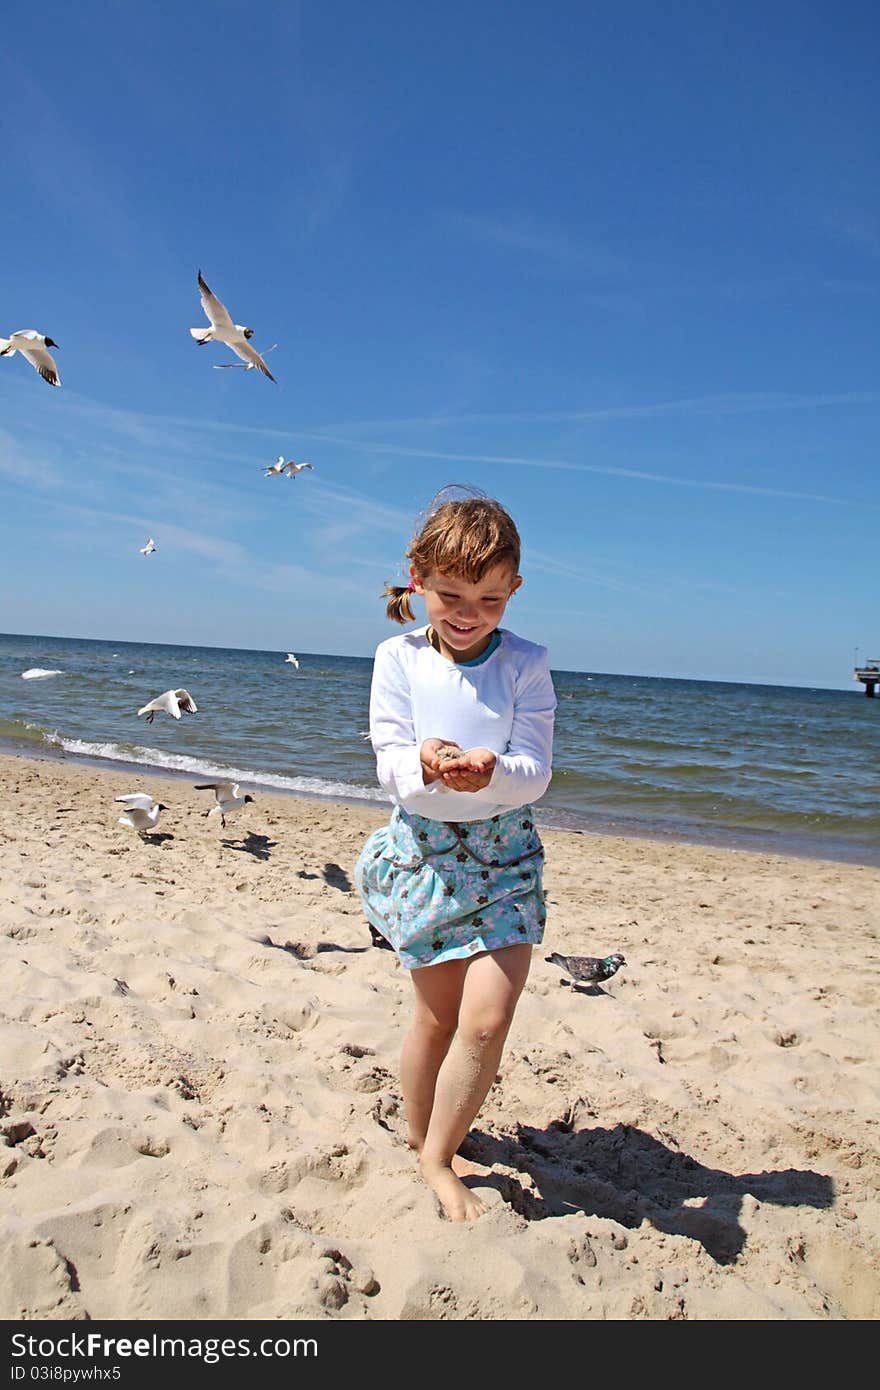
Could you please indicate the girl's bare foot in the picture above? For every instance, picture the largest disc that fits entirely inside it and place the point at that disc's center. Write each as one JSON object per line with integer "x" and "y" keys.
{"x": 460, "y": 1166}
{"x": 457, "y": 1201}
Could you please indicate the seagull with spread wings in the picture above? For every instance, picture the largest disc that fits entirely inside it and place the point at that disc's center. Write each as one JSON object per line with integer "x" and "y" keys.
{"x": 244, "y": 366}
{"x": 227, "y": 798}
{"x": 141, "y": 812}
{"x": 149, "y": 548}
{"x": 173, "y": 702}
{"x": 33, "y": 347}
{"x": 223, "y": 330}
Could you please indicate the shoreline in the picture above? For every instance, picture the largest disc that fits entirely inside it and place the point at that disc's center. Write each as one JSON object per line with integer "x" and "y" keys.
{"x": 745, "y": 839}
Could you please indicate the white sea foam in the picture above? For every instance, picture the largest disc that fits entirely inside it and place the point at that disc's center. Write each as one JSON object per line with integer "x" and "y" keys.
{"x": 36, "y": 673}
{"x": 202, "y": 767}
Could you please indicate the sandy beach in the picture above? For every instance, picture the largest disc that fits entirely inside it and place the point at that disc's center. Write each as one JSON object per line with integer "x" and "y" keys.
{"x": 199, "y": 1108}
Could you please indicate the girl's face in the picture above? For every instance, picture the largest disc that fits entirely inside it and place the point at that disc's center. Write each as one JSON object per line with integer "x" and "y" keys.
{"x": 464, "y": 615}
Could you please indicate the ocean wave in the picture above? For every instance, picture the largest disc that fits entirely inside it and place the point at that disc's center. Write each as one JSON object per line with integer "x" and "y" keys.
{"x": 36, "y": 673}
{"x": 19, "y": 731}
{"x": 203, "y": 767}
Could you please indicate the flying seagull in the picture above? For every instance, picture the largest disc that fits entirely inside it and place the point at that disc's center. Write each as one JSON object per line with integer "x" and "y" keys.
{"x": 293, "y": 661}
{"x": 587, "y": 970}
{"x": 34, "y": 347}
{"x": 149, "y": 547}
{"x": 227, "y": 796}
{"x": 141, "y": 812}
{"x": 172, "y": 702}
{"x": 276, "y": 468}
{"x": 244, "y": 366}
{"x": 291, "y": 468}
{"x": 223, "y": 330}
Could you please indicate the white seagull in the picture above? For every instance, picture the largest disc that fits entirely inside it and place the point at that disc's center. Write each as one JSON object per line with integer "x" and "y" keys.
{"x": 227, "y": 796}
{"x": 275, "y": 468}
{"x": 141, "y": 812}
{"x": 149, "y": 547}
{"x": 172, "y": 702}
{"x": 223, "y": 330}
{"x": 33, "y": 346}
{"x": 293, "y": 661}
{"x": 291, "y": 468}
{"x": 243, "y": 366}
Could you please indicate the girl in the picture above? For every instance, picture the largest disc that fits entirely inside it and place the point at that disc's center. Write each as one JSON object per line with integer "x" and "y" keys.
{"x": 461, "y": 720}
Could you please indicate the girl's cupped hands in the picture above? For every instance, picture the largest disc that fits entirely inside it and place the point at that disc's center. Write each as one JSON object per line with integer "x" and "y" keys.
{"x": 470, "y": 772}
{"x": 461, "y": 771}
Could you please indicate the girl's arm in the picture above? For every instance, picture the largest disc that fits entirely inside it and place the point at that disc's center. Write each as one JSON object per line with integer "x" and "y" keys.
{"x": 400, "y": 761}
{"x": 522, "y": 773}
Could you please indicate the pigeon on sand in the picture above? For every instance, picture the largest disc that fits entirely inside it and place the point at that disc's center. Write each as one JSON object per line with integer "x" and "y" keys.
{"x": 227, "y": 796}
{"x": 33, "y": 346}
{"x": 141, "y": 812}
{"x": 149, "y": 548}
{"x": 587, "y": 970}
{"x": 173, "y": 702}
{"x": 223, "y": 330}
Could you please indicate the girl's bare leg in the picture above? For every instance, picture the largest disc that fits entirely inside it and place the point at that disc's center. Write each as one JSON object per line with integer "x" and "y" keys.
{"x": 492, "y": 986}
{"x": 438, "y": 998}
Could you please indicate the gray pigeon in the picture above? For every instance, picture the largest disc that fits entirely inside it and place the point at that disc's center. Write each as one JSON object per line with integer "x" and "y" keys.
{"x": 587, "y": 970}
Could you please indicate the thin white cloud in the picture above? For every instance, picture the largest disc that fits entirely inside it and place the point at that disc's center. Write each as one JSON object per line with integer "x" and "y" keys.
{"x": 744, "y": 403}
{"x": 535, "y": 560}
{"x": 20, "y": 464}
{"x": 179, "y": 537}
{"x": 159, "y": 432}
{"x": 284, "y": 578}
{"x": 62, "y": 168}
{"x": 543, "y": 241}
{"x": 570, "y": 466}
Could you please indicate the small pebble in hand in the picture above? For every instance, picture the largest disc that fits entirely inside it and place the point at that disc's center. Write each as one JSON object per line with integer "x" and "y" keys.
{"x": 446, "y": 752}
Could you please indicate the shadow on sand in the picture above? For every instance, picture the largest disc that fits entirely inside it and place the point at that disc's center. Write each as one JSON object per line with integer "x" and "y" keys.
{"x": 257, "y": 845}
{"x": 629, "y": 1176}
{"x": 336, "y": 877}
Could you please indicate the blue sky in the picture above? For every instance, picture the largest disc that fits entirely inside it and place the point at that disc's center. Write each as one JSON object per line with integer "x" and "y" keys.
{"x": 614, "y": 264}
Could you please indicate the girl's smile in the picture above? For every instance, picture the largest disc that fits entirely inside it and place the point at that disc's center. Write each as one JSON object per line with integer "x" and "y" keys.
{"x": 464, "y": 615}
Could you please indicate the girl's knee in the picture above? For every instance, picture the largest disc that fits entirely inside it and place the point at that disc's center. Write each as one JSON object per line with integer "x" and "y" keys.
{"x": 487, "y": 1026}
{"x": 438, "y": 1028}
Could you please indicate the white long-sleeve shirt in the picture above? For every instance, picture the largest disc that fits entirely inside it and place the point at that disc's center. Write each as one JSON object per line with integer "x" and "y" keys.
{"x": 505, "y": 703}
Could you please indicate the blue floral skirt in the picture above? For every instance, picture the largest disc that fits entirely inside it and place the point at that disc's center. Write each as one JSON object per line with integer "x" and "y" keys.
{"x": 446, "y": 890}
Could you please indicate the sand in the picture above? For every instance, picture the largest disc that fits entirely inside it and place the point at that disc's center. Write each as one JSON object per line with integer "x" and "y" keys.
{"x": 200, "y": 1115}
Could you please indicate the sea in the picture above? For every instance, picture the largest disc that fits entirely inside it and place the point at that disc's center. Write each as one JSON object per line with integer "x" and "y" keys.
{"x": 771, "y": 768}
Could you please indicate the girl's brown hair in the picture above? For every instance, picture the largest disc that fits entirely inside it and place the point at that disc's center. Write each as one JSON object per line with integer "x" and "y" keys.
{"x": 461, "y": 536}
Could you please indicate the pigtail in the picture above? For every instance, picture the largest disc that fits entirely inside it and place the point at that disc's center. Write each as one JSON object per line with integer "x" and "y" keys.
{"x": 398, "y": 607}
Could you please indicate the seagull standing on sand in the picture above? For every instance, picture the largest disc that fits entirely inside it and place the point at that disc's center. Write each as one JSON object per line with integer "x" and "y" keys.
{"x": 173, "y": 702}
{"x": 227, "y": 796}
{"x": 588, "y": 970}
{"x": 223, "y": 330}
{"x": 291, "y": 468}
{"x": 293, "y": 661}
{"x": 34, "y": 347}
{"x": 149, "y": 548}
{"x": 141, "y": 814}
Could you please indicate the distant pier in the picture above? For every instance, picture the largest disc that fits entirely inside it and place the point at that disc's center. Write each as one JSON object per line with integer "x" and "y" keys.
{"x": 869, "y": 675}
